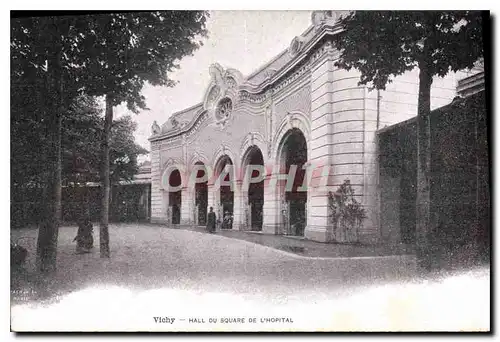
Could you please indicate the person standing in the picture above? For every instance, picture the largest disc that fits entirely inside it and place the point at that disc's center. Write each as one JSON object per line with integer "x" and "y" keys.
{"x": 211, "y": 220}
{"x": 84, "y": 238}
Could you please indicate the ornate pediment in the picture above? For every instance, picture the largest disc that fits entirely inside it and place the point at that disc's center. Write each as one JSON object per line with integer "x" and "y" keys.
{"x": 320, "y": 18}
{"x": 155, "y": 128}
{"x": 174, "y": 123}
{"x": 269, "y": 73}
{"x": 296, "y": 46}
{"x": 222, "y": 93}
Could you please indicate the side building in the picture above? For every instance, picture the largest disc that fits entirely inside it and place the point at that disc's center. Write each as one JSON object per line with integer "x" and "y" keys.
{"x": 459, "y": 179}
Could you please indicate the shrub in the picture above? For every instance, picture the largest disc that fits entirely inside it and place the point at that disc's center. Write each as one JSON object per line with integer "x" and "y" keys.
{"x": 346, "y": 213}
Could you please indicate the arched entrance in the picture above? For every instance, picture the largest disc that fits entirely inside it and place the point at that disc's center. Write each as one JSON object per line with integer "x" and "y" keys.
{"x": 201, "y": 196}
{"x": 225, "y": 203}
{"x": 294, "y": 200}
{"x": 175, "y": 197}
{"x": 255, "y": 195}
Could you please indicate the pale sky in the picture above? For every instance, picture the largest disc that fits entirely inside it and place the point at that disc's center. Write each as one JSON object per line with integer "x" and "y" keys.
{"x": 243, "y": 40}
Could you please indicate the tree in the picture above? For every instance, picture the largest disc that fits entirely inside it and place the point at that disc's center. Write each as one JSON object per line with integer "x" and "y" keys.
{"x": 347, "y": 214}
{"x": 383, "y": 44}
{"x": 124, "y": 150}
{"x": 82, "y": 126}
{"x": 109, "y": 55}
{"x": 42, "y": 53}
{"x": 125, "y": 51}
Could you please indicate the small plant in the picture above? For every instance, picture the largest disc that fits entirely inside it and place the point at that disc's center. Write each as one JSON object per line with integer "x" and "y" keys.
{"x": 347, "y": 214}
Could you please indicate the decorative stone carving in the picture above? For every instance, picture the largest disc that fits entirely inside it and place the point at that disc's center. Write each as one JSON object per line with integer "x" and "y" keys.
{"x": 194, "y": 128}
{"x": 223, "y": 111}
{"x": 223, "y": 80}
{"x": 260, "y": 95}
{"x": 222, "y": 93}
{"x": 269, "y": 129}
{"x": 213, "y": 96}
{"x": 230, "y": 82}
{"x": 253, "y": 98}
{"x": 296, "y": 46}
{"x": 155, "y": 128}
{"x": 174, "y": 122}
{"x": 269, "y": 73}
{"x": 216, "y": 72}
{"x": 320, "y": 18}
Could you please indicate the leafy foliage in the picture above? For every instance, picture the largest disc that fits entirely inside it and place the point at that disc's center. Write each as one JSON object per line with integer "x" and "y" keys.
{"x": 81, "y": 157}
{"x": 123, "y": 150}
{"x": 83, "y": 127}
{"x": 99, "y": 54}
{"x": 110, "y": 55}
{"x": 347, "y": 214}
{"x": 384, "y": 44}
{"x": 381, "y": 44}
{"x": 122, "y": 51}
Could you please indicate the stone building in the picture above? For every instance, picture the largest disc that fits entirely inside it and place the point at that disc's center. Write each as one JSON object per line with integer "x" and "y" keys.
{"x": 297, "y": 109}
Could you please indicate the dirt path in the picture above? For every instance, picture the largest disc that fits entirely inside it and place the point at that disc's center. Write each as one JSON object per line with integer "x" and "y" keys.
{"x": 158, "y": 271}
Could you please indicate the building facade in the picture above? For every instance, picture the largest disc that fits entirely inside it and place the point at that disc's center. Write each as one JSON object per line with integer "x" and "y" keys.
{"x": 298, "y": 109}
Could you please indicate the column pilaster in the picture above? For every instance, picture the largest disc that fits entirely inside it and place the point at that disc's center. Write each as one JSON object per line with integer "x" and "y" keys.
{"x": 321, "y": 156}
{"x": 271, "y": 208}
{"x": 212, "y": 198}
{"x": 187, "y": 206}
{"x": 239, "y": 219}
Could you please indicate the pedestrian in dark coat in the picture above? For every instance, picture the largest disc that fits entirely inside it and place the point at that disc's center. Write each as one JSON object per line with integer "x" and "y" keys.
{"x": 84, "y": 238}
{"x": 211, "y": 220}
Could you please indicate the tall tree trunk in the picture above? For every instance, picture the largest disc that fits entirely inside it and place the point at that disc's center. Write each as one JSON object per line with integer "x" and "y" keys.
{"x": 105, "y": 183}
{"x": 424, "y": 169}
{"x": 112, "y": 211}
{"x": 49, "y": 228}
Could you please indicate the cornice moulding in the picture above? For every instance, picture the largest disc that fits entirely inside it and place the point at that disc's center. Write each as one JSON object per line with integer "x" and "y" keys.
{"x": 257, "y": 94}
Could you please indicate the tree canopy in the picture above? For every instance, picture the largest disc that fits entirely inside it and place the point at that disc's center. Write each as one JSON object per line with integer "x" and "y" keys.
{"x": 383, "y": 44}
{"x": 106, "y": 54}
{"x": 123, "y": 51}
{"x": 82, "y": 128}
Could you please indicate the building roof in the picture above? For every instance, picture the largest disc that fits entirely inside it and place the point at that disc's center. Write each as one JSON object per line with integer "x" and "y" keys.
{"x": 471, "y": 85}
{"x": 474, "y": 100}
{"x": 322, "y": 23}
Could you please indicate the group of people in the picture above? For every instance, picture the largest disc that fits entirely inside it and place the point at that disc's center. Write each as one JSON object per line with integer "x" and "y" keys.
{"x": 227, "y": 221}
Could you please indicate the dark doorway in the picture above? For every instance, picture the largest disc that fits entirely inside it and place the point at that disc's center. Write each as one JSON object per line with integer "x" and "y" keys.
{"x": 256, "y": 191}
{"x": 226, "y": 193}
{"x": 295, "y": 153}
{"x": 201, "y": 197}
{"x": 175, "y": 197}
